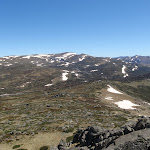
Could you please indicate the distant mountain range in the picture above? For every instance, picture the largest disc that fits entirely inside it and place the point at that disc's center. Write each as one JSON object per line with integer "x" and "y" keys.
{"x": 48, "y": 70}
{"x": 87, "y": 67}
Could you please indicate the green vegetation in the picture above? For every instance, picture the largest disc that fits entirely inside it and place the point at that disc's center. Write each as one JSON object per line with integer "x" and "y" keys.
{"x": 139, "y": 89}
{"x": 44, "y": 148}
{"x": 16, "y": 146}
{"x": 64, "y": 107}
{"x": 69, "y": 138}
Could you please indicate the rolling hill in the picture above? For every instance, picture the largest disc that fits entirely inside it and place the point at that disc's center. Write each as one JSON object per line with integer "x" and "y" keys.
{"x": 58, "y": 93}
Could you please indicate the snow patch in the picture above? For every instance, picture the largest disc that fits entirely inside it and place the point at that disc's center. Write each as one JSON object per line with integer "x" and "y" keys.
{"x": 76, "y": 74}
{"x": 48, "y": 84}
{"x": 135, "y": 68}
{"x": 22, "y": 86}
{"x": 123, "y": 71}
{"x": 109, "y": 98}
{"x": 9, "y": 57}
{"x": 67, "y": 64}
{"x": 39, "y": 65}
{"x": 112, "y": 90}
{"x": 82, "y": 58}
{"x": 65, "y": 56}
{"x": 126, "y": 104}
{"x": 97, "y": 64}
{"x": 27, "y": 57}
{"x": 7, "y": 65}
{"x": 28, "y": 82}
{"x": 52, "y": 61}
{"x": 64, "y": 75}
{"x": 42, "y": 56}
{"x": 93, "y": 70}
{"x": 69, "y": 55}
{"x": 105, "y": 60}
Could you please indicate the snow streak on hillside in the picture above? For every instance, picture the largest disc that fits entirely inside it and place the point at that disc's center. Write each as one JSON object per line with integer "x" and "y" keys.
{"x": 64, "y": 75}
{"x": 123, "y": 71}
{"x": 112, "y": 90}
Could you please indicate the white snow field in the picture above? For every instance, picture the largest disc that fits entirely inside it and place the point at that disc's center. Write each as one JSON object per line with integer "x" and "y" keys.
{"x": 112, "y": 90}
{"x": 126, "y": 104}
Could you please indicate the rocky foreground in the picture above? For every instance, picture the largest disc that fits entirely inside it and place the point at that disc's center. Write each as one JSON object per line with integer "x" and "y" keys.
{"x": 131, "y": 136}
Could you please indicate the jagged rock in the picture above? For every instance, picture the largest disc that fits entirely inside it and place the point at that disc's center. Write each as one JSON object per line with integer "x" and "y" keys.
{"x": 127, "y": 129}
{"x": 53, "y": 148}
{"x": 74, "y": 148}
{"x": 118, "y": 132}
{"x": 79, "y": 148}
{"x": 84, "y": 148}
{"x": 137, "y": 140}
{"x": 83, "y": 139}
{"x": 77, "y": 136}
{"x": 106, "y": 134}
{"x": 62, "y": 145}
{"x": 126, "y": 138}
{"x": 95, "y": 129}
{"x": 147, "y": 125}
{"x": 140, "y": 125}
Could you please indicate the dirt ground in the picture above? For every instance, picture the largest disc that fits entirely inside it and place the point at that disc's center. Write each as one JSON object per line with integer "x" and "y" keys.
{"x": 37, "y": 141}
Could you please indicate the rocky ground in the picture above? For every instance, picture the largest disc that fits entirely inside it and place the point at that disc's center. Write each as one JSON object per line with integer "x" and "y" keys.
{"x": 31, "y": 113}
{"x": 131, "y": 136}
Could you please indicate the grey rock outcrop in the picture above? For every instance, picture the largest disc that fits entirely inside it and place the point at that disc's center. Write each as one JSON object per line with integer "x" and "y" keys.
{"x": 133, "y": 135}
{"x": 62, "y": 145}
{"x": 137, "y": 140}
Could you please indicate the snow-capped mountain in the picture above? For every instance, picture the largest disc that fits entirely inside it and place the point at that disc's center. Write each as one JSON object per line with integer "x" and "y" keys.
{"x": 143, "y": 60}
{"x": 43, "y": 59}
{"x": 47, "y": 70}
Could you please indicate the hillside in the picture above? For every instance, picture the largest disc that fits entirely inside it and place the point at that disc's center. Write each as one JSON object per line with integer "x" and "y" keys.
{"x": 58, "y": 93}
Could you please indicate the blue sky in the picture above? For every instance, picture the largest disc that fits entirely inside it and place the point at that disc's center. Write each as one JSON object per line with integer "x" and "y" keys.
{"x": 96, "y": 27}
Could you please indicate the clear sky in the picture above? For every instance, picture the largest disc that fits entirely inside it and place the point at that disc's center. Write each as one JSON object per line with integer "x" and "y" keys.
{"x": 95, "y": 27}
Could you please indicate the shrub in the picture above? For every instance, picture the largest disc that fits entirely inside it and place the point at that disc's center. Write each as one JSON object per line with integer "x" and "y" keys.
{"x": 44, "y": 148}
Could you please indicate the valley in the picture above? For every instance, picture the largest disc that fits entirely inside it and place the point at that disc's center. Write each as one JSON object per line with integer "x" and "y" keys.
{"x": 56, "y": 94}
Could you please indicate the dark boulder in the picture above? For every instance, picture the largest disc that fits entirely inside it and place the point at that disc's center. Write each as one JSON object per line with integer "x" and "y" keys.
{"x": 131, "y": 136}
{"x": 95, "y": 129}
{"x": 79, "y": 148}
{"x": 127, "y": 129}
{"x": 77, "y": 136}
{"x": 74, "y": 148}
{"x": 62, "y": 145}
